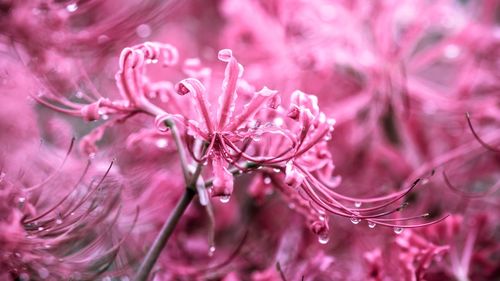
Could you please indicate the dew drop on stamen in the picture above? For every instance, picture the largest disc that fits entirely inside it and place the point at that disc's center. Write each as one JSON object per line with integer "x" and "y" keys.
{"x": 225, "y": 198}
{"x": 355, "y": 220}
{"x": 371, "y": 224}
{"x": 267, "y": 180}
{"x": 211, "y": 251}
{"x": 398, "y": 230}
{"x": 357, "y": 204}
{"x": 323, "y": 238}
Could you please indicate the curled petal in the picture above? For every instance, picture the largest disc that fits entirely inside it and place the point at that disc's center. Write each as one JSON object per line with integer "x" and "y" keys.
{"x": 228, "y": 98}
{"x": 160, "y": 121}
{"x": 301, "y": 99}
{"x": 252, "y": 107}
{"x": 170, "y": 55}
{"x": 195, "y": 87}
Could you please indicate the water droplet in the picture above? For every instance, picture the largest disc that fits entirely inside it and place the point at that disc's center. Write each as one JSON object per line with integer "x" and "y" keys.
{"x": 277, "y": 170}
{"x": 371, "y": 224}
{"x": 327, "y": 137}
{"x": 323, "y": 238}
{"x": 321, "y": 218}
{"x": 355, "y": 220}
{"x": 211, "y": 251}
{"x": 105, "y": 117}
{"x": 46, "y": 246}
{"x": 59, "y": 221}
{"x": 398, "y": 230}
{"x": 161, "y": 143}
{"x": 357, "y": 204}
{"x": 72, "y": 7}
{"x": 40, "y": 228}
{"x": 143, "y": 30}
{"x": 267, "y": 180}
{"x": 21, "y": 199}
{"x": 225, "y": 198}
{"x": 72, "y": 214}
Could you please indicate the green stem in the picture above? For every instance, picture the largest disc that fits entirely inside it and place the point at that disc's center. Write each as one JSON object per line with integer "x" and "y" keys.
{"x": 164, "y": 235}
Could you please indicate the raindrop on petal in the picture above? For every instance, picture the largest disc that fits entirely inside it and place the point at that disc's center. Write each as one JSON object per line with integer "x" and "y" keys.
{"x": 357, "y": 204}
{"x": 267, "y": 180}
{"x": 323, "y": 238}
{"x": 355, "y": 220}
{"x": 398, "y": 230}
{"x": 225, "y": 198}
{"x": 371, "y": 224}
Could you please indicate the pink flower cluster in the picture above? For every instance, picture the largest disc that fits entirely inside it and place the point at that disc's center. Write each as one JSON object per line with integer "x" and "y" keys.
{"x": 237, "y": 100}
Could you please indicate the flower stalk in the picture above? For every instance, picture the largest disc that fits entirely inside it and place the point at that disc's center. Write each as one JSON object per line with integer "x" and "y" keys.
{"x": 165, "y": 233}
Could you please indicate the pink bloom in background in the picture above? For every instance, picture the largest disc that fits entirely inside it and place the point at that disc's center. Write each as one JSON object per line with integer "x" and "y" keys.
{"x": 320, "y": 140}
